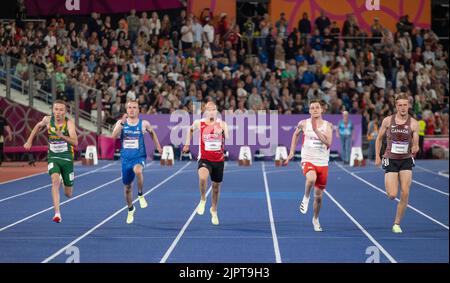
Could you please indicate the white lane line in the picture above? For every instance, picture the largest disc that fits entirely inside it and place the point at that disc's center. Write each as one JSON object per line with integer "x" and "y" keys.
{"x": 271, "y": 219}
{"x": 429, "y": 187}
{"x": 111, "y": 217}
{"x": 49, "y": 185}
{"x": 370, "y": 237}
{"x": 383, "y": 192}
{"x": 180, "y": 234}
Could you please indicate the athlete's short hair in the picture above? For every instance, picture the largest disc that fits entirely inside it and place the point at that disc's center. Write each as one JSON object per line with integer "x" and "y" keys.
{"x": 132, "y": 101}
{"x": 316, "y": 101}
{"x": 59, "y": 101}
{"x": 401, "y": 95}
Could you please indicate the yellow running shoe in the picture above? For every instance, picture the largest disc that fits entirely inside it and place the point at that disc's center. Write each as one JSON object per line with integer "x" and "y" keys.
{"x": 142, "y": 201}
{"x": 214, "y": 218}
{"x": 201, "y": 207}
{"x": 396, "y": 229}
{"x": 130, "y": 217}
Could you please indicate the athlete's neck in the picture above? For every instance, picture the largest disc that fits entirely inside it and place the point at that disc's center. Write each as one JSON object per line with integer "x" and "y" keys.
{"x": 210, "y": 120}
{"x": 398, "y": 116}
{"x": 59, "y": 122}
{"x": 132, "y": 121}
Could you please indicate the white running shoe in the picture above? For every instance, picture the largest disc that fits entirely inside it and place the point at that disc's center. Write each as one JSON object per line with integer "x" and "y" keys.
{"x": 316, "y": 224}
{"x": 214, "y": 218}
{"x": 142, "y": 201}
{"x": 201, "y": 207}
{"x": 130, "y": 215}
{"x": 304, "y": 205}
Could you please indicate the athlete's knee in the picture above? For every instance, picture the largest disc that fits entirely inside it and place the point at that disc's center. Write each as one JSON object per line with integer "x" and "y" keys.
{"x": 128, "y": 188}
{"x": 138, "y": 170}
{"x": 68, "y": 192}
{"x": 404, "y": 195}
{"x": 56, "y": 181}
{"x": 391, "y": 195}
{"x": 318, "y": 195}
{"x": 215, "y": 187}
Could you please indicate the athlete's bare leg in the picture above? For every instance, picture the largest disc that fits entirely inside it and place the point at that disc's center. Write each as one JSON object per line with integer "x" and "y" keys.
{"x": 140, "y": 177}
{"x": 215, "y": 195}
{"x": 68, "y": 191}
{"x": 128, "y": 191}
{"x": 318, "y": 194}
{"x": 405, "y": 184}
{"x": 391, "y": 183}
{"x": 311, "y": 177}
{"x": 56, "y": 183}
{"x": 203, "y": 175}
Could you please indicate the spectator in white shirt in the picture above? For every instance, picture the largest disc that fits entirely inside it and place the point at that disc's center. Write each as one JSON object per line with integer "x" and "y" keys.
{"x": 51, "y": 39}
{"x": 380, "y": 78}
{"x": 155, "y": 24}
{"x": 428, "y": 54}
{"x": 208, "y": 30}
{"x": 187, "y": 35}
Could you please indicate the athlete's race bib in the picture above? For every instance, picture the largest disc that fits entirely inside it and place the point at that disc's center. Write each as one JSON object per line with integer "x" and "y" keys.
{"x": 58, "y": 147}
{"x": 131, "y": 143}
{"x": 316, "y": 144}
{"x": 213, "y": 145}
{"x": 400, "y": 148}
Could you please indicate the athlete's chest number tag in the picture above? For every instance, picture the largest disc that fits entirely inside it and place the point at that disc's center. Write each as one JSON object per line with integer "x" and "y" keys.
{"x": 213, "y": 145}
{"x": 399, "y": 148}
{"x": 316, "y": 144}
{"x": 58, "y": 147}
{"x": 131, "y": 143}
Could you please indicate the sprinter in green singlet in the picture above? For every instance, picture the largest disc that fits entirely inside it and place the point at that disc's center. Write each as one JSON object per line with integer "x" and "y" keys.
{"x": 62, "y": 137}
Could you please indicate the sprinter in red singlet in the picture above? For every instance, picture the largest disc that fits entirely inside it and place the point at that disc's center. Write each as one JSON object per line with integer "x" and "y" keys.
{"x": 213, "y": 133}
{"x": 402, "y": 143}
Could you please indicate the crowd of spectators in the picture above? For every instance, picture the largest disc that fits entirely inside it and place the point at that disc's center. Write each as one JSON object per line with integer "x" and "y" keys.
{"x": 170, "y": 63}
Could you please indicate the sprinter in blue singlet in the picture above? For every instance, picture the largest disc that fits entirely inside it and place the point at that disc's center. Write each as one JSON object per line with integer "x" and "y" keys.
{"x": 132, "y": 153}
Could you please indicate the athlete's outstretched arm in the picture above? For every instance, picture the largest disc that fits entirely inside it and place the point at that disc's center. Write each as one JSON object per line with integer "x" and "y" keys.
{"x": 118, "y": 127}
{"x": 152, "y": 133}
{"x": 325, "y": 138}
{"x": 379, "y": 140}
{"x": 191, "y": 130}
{"x": 294, "y": 141}
{"x": 36, "y": 128}
{"x": 415, "y": 138}
{"x": 72, "y": 138}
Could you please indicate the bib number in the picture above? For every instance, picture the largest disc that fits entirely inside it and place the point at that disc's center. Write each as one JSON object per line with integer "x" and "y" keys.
{"x": 59, "y": 147}
{"x": 213, "y": 145}
{"x": 316, "y": 144}
{"x": 400, "y": 148}
{"x": 131, "y": 144}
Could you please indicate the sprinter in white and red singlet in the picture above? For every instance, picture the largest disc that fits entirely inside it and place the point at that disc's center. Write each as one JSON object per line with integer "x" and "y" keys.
{"x": 213, "y": 132}
{"x": 315, "y": 153}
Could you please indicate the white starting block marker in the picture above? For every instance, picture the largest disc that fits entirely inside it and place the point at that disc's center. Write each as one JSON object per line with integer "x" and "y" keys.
{"x": 280, "y": 155}
{"x": 245, "y": 156}
{"x": 356, "y": 157}
{"x": 90, "y": 157}
{"x": 167, "y": 156}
